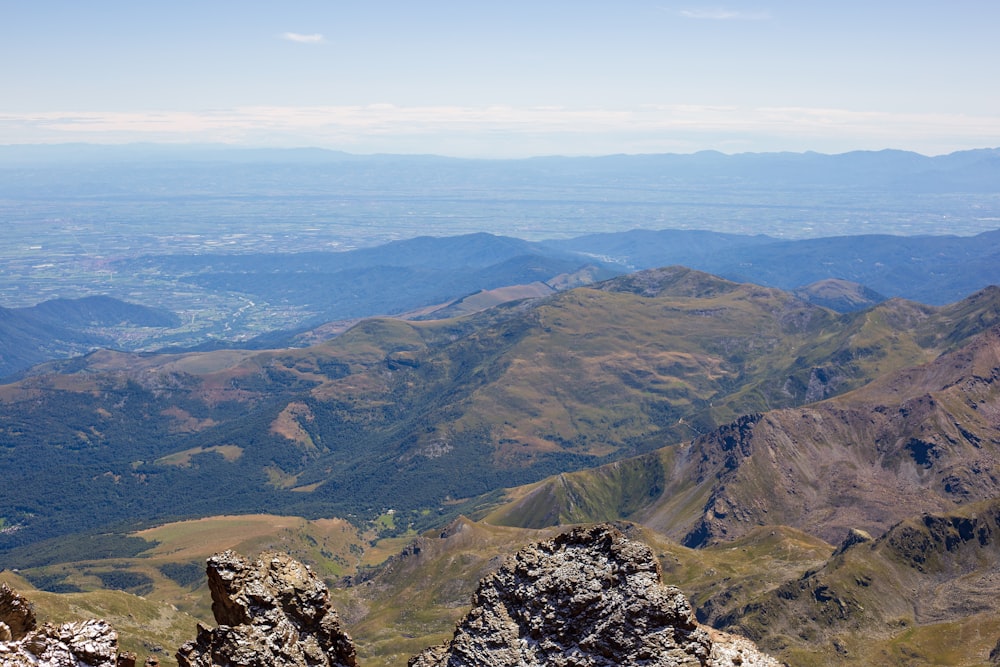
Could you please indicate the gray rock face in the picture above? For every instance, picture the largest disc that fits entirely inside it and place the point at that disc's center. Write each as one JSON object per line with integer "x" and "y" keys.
{"x": 272, "y": 612}
{"x": 82, "y": 644}
{"x": 590, "y": 597}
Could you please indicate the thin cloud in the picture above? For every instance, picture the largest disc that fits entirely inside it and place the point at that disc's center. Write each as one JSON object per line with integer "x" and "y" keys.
{"x": 507, "y": 131}
{"x": 723, "y": 15}
{"x": 299, "y": 38}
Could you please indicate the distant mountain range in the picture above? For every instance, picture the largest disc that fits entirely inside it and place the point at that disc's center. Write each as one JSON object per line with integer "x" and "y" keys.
{"x": 969, "y": 170}
{"x": 231, "y": 239}
{"x": 405, "y": 275}
{"x": 929, "y": 269}
{"x": 427, "y": 277}
{"x": 391, "y": 279}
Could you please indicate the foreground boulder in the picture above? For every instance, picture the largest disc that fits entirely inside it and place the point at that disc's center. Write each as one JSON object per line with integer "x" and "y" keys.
{"x": 590, "y": 597}
{"x": 272, "y": 612}
{"x": 83, "y": 644}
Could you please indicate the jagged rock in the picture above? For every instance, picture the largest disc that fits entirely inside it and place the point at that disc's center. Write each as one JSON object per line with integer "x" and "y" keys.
{"x": 734, "y": 650}
{"x": 589, "y": 597}
{"x": 83, "y": 644}
{"x": 854, "y": 536}
{"x": 15, "y": 615}
{"x": 272, "y": 612}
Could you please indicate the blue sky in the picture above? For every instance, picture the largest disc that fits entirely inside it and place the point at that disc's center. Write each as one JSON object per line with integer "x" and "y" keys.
{"x": 504, "y": 79}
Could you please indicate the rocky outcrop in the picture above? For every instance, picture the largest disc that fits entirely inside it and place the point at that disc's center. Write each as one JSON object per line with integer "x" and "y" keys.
{"x": 589, "y": 597}
{"x": 82, "y": 644}
{"x": 854, "y": 536}
{"x": 272, "y": 612}
{"x": 16, "y": 616}
{"x": 90, "y": 643}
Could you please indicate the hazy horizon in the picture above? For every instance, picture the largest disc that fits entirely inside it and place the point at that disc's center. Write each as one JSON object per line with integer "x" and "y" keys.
{"x": 181, "y": 147}
{"x": 505, "y": 81}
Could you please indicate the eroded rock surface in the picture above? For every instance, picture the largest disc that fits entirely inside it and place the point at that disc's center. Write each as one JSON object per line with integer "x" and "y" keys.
{"x": 16, "y": 616}
{"x": 272, "y": 612}
{"x": 589, "y": 597}
{"x": 82, "y": 644}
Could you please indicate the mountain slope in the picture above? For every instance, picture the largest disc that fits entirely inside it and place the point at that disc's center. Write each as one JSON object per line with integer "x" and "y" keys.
{"x": 414, "y": 416}
{"x": 925, "y": 439}
{"x": 842, "y": 296}
{"x": 921, "y": 439}
{"x": 67, "y": 327}
{"x": 930, "y": 578}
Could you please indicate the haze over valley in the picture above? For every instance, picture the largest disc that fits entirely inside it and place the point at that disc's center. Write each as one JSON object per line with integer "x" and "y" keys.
{"x": 227, "y": 238}
{"x": 176, "y": 369}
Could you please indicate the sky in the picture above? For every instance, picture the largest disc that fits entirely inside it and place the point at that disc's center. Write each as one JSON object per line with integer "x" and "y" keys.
{"x": 492, "y": 79}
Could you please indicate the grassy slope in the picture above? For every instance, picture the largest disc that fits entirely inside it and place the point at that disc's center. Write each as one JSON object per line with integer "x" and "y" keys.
{"x": 607, "y": 493}
{"x": 598, "y": 371}
{"x": 925, "y": 592}
{"x": 144, "y": 627}
{"x": 847, "y": 462}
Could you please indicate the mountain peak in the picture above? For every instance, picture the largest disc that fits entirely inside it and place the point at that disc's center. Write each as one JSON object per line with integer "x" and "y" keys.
{"x": 670, "y": 280}
{"x": 840, "y": 295}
